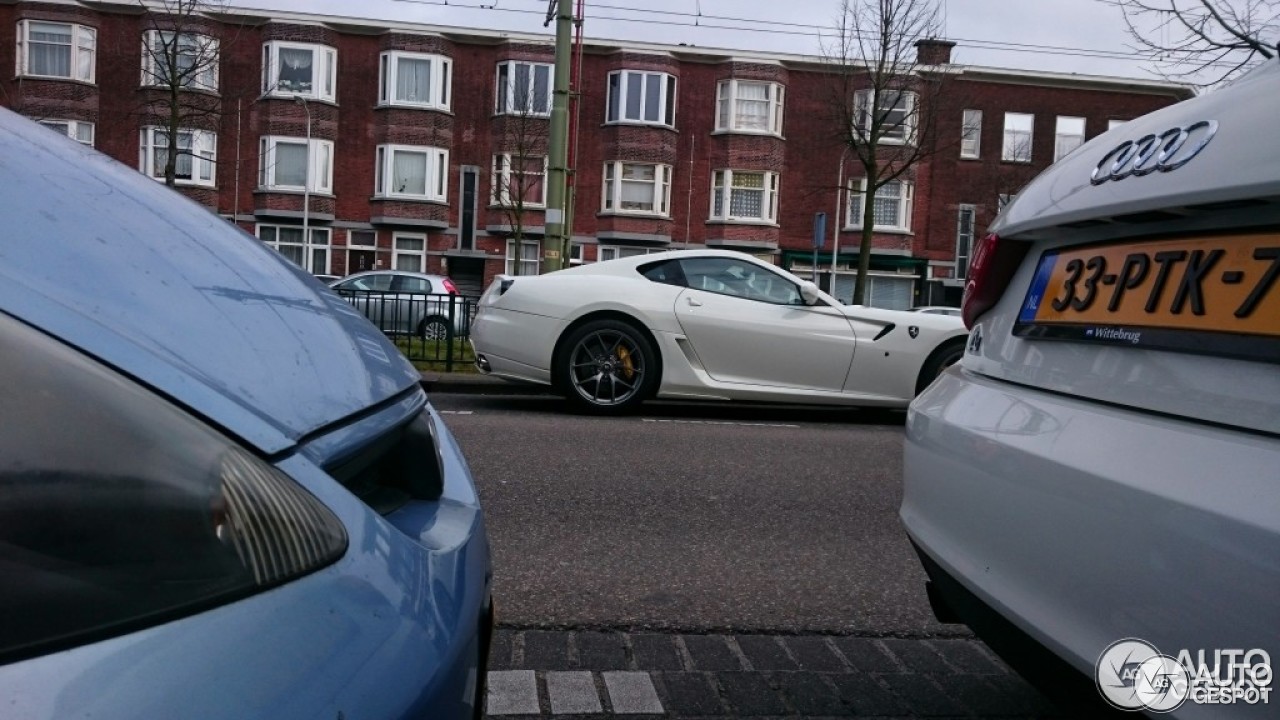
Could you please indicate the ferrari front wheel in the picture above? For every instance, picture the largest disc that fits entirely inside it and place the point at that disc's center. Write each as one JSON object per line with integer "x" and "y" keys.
{"x": 607, "y": 366}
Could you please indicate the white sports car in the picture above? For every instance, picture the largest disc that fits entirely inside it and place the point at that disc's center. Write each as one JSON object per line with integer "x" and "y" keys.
{"x": 705, "y": 325}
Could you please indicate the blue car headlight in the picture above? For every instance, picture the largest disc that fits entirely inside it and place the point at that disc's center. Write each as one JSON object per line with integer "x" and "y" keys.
{"x": 120, "y": 510}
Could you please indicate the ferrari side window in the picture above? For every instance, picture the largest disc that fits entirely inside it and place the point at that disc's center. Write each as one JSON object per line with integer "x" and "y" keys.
{"x": 666, "y": 272}
{"x": 727, "y": 276}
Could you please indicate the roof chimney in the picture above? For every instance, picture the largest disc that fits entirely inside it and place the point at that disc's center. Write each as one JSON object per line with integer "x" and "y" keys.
{"x": 932, "y": 51}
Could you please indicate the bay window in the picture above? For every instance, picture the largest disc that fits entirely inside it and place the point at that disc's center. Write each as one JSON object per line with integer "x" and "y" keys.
{"x": 637, "y": 188}
{"x": 196, "y": 155}
{"x": 414, "y": 80}
{"x": 641, "y": 97}
{"x": 57, "y": 50}
{"x": 411, "y": 172}
{"x": 299, "y": 69}
{"x": 743, "y": 195}
{"x": 286, "y": 164}
{"x": 749, "y": 106}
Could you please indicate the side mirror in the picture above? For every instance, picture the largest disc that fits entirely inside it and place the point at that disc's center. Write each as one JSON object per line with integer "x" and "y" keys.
{"x": 809, "y": 292}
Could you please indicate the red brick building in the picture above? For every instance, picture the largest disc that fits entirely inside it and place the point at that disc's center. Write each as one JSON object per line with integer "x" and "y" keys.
{"x": 408, "y": 145}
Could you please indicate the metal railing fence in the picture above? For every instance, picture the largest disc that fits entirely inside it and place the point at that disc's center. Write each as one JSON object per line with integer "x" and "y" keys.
{"x": 430, "y": 329}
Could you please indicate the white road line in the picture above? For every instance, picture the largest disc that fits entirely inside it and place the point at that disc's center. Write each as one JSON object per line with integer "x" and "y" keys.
{"x": 512, "y": 692}
{"x": 632, "y": 693}
{"x": 717, "y": 422}
{"x": 456, "y": 412}
{"x": 573, "y": 693}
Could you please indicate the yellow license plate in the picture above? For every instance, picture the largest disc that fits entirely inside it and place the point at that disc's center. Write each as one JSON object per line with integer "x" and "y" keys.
{"x": 1214, "y": 294}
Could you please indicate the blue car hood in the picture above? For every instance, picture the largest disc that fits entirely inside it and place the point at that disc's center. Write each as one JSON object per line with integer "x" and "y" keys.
{"x": 118, "y": 265}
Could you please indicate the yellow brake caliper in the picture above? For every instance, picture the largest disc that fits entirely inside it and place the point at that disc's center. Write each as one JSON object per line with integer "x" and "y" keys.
{"x": 628, "y": 367}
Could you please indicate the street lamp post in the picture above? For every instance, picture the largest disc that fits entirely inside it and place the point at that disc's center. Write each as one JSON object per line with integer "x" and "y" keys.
{"x": 835, "y": 226}
{"x": 306, "y": 191}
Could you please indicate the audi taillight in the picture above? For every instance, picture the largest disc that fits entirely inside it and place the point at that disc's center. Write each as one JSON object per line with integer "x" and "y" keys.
{"x": 449, "y": 287}
{"x": 992, "y": 267}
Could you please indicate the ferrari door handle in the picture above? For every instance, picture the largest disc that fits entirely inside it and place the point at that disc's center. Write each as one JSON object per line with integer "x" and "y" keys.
{"x": 693, "y": 302}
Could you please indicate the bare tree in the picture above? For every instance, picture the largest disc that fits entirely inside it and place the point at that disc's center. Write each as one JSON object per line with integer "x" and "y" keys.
{"x": 520, "y": 171}
{"x": 885, "y": 102}
{"x": 181, "y": 54}
{"x": 1203, "y": 41}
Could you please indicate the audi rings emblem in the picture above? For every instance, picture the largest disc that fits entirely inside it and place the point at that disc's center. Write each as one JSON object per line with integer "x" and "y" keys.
{"x": 1167, "y": 151}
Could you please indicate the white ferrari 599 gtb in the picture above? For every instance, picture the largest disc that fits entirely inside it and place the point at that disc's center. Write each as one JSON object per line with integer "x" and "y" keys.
{"x": 704, "y": 325}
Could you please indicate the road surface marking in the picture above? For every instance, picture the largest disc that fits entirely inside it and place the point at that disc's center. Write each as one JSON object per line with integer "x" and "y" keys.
{"x": 456, "y": 412}
{"x": 632, "y": 693}
{"x": 513, "y": 692}
{"x": 572, "y": 693}
{"x": 717, "y": 422}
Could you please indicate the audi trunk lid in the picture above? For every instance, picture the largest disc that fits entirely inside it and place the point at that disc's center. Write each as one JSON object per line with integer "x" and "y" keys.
{"x": 1150, "y": 272}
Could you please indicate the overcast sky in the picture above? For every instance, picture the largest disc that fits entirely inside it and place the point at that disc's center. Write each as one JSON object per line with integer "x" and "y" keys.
{"x": 1053, "y": 35}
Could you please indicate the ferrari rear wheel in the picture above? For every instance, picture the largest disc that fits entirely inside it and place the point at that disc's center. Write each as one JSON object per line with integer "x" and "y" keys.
{"x": 607, "y": 366}
{"x": 946, "y": 355}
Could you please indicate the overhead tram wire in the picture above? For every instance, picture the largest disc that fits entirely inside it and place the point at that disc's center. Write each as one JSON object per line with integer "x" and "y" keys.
{"x": 817, "y": 32}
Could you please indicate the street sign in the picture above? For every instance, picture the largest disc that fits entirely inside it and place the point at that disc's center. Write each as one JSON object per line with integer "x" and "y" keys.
{"x": 819, "y": 230}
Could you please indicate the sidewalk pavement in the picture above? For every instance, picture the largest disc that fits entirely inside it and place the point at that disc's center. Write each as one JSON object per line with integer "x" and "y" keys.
{"x": 599, "y": 675}
{"x": 474, "y": 383}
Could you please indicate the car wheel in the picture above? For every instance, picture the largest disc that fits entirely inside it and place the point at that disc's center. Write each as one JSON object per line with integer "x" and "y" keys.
{"x": 946, "y": 355}
{"x": 607, "y": 366}
{"x": 434, "y": 328}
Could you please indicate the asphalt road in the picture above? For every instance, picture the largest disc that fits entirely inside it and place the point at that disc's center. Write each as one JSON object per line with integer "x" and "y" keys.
{"x": 695, "y": 518}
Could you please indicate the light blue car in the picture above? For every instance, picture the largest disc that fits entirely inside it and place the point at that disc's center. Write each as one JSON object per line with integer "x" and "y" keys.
{"x": 223, "y": 493}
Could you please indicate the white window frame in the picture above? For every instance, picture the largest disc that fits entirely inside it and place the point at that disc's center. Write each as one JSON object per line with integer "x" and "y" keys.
{"x": 324, "y": 71}
{"x": 722, "y": 190}
{"x": 202, "y": 149}
{"x": 617, "y": 93}
{"x": 903, "y": 192}
{"x": 971, "y": 134}
{"x": 319, "y": 170}
{"x": 1013, "y": 138}
{"x": 418, "y": 256}
{"x": 82, "y": 51}
{"x": 203, "y": 48}
{"x": 613, "y": 252}
{"x": 78, "y": 130}
{"x": 436, "y": 181}
{"x": 505, "y": 103}
{"x": 611, "y": 189}
{"x": 439, "y": 82}
{"x": 530, "y": 257}
{"x": 965, "y": 237}
{"x": 503, "y": 181}
{"x": 729, "y": 117}
{"x": 1066, "y": 139}
{"x": 901, "y": 132}
{"x": 309, "y": 249}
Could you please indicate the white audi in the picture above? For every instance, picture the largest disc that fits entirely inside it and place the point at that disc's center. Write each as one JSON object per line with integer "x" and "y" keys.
{"x": 704, "y": 325}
